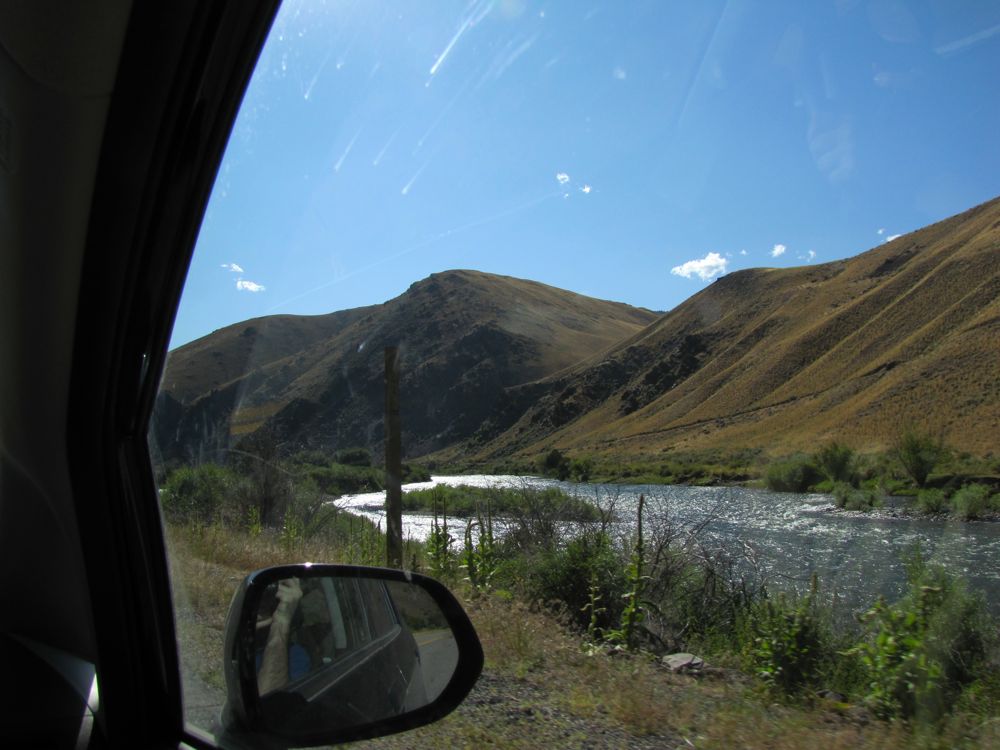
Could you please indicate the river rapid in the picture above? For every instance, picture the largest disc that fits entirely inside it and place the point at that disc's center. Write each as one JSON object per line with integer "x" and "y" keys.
{"x": 856, "y": 556}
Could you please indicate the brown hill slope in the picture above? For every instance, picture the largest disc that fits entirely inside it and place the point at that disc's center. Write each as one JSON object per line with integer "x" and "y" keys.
{"x": 215, "y": 360}
{"x": 464, "y": 338}
{"x": 906, "y": 333}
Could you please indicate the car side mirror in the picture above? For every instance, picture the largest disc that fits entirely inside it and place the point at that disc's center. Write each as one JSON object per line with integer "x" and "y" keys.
{"x": 321, "y": 654}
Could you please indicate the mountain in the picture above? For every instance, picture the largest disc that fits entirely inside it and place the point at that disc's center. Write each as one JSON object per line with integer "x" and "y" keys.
{"x": 907, "y": 333}
{"x": 465, "y": 339}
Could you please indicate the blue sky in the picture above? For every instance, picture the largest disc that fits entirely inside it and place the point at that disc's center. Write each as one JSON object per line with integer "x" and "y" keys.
{"x": 630, "y": 151}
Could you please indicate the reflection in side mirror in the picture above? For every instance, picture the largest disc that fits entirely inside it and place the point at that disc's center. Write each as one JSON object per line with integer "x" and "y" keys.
{"x": 331, "y": 653}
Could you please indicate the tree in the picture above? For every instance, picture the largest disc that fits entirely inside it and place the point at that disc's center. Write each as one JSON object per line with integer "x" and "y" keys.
{"x": 196, "y": 493}
{"x": 556, "y": 463}
{"x": 581, "y": 468}
{"x": 266, "y": 486}
{"x": 919, "y": 454}
{"x": 836, "y": 461}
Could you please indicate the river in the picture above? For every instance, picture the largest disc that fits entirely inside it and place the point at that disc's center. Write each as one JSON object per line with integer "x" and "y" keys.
{"x": 856, "y": 556}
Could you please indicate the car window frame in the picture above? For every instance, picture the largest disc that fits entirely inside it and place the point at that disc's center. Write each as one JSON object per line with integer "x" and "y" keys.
{"x": 182, "y": 74}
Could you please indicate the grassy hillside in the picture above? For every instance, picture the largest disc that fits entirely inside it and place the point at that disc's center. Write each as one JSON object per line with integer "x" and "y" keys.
{"x": 213, "y": 361}
{"x": 463, "y": 337}
{"x": 497, "y": 368}
{"x": 906, "y": 333}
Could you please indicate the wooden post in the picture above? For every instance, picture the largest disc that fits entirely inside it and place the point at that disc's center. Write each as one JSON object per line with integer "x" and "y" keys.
{"x": 393, "y": 463}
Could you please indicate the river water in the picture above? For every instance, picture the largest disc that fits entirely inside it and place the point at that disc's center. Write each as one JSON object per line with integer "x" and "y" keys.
{"x": 857, "y": 556}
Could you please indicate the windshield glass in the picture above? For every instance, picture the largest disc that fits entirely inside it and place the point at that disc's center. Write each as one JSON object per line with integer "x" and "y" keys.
{"x": 630, "y": 153}
{"x": 695, "y": 313}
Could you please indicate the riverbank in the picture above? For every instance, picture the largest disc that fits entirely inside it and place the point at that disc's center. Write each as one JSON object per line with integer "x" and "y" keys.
{"x": 917, "y": 465}
{"x": 542, "y": 687}
{"x": 912, "y": 513}
{"x": 765, "y": 586}
{"x": 464, "y": 501}
{"x": 546, "y": 684}
{"x": 857, "y": 556}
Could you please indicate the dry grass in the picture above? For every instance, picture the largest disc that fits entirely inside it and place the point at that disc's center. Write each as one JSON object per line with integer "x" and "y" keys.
{"x": 207, "y": 565}
{"x": 247, "y": 419}
{"x": 636, "y": 698}
{"x": 851, "y": 350}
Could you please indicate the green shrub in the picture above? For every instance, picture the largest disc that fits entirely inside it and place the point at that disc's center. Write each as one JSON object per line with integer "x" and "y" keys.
{"x": 904, "y": 679}
{"x": 972, "y": 501}
{"x": 870, "y": 467}
{"x": 310, "y": 458}
{"x": 794, "y": 474}
{"x": 931, "y": 501}
{"x": 826, "y": 487}
{"x": 789, "y": 642}
{"x": 581, "y": 469}
{"x": 921, "y": 651}
{"x": 851, "y": 498}
{"x": 836, "y": 461}
{"x": 196, "y": 493}
{"x": 918, "y": 454}
{"x": 555, "y": 464}
{"x": 344, "y": 479}
{"x": 355, "y": 457}
{"x": 304, "y": 514}
{"x": 586, "y": 567}
{"x": 698, "y": 597}
{"x": 533, "y": 516}
{"x": 415, "y": 473}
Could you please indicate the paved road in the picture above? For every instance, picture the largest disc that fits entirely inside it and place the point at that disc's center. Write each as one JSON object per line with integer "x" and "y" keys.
{"x": 439, "y": 657}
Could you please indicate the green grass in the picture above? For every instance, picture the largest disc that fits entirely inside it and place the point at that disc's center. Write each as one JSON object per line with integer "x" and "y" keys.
{"x": 465, "y": 501}
{"x": 705, "y": 467}
{"x": 335, "y": 478}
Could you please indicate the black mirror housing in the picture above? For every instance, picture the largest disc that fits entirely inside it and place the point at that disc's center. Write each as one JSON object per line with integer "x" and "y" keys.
{"x": 323, "y": 654}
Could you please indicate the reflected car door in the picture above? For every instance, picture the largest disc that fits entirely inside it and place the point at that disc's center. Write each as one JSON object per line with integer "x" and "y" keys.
{"x": 344, "y": 625}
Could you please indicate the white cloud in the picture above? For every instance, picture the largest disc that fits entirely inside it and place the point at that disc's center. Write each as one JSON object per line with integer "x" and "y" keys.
{"x": 892, "y": 237}
{"x": 562, "y": 177}
{"x": 248, "y": 286}
{"x": 743, "y": 252}
{"x": 880, "y": 231}
{"x": 778, "y": 251}
{"x": 586, "y": 189}
{"x": 619, "y": 73}
{"x": 811, "y": 255}
{"x": 232, "y": 267}
{"x": 706, "y": 268}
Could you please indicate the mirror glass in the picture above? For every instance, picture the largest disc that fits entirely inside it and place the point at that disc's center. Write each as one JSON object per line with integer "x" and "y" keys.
{"x": 335, "y": 652}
